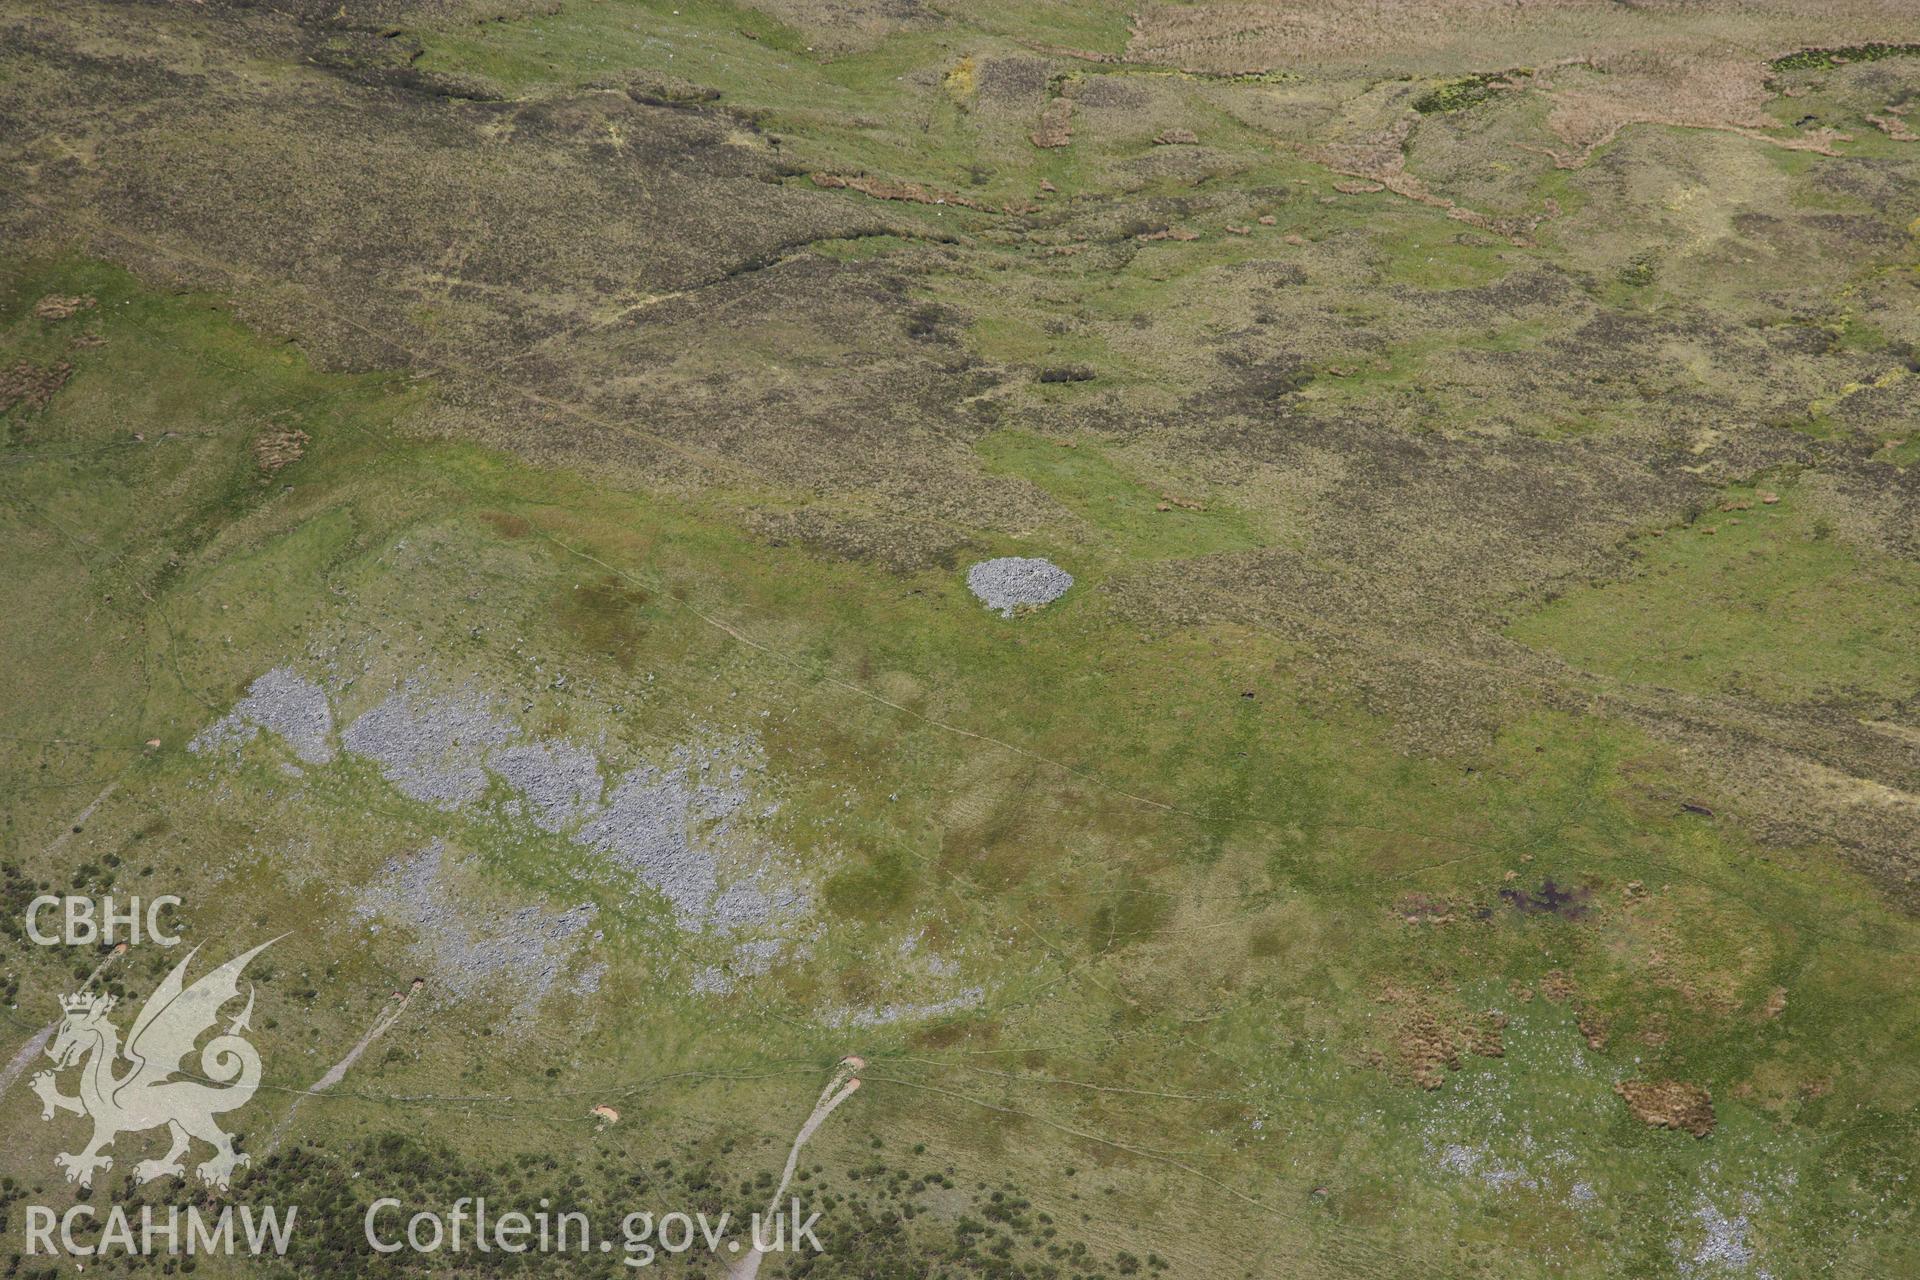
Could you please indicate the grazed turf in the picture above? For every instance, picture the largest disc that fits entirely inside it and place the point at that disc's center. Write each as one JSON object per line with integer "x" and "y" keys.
{"x": 1439, "y": 703}
{"x": 1260, "y": 940}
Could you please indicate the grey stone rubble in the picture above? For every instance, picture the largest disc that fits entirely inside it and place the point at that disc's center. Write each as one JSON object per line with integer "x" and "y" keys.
{"x": 685, "y": 828}
{"x": 881, "y": 1015}
{"x": 433, "y": 749}
{"x": 280, "y": 701}
{"x": 1469, "y": 1161}
{"x": 472, "y": 951}
{"x": 1723, "y": 1246}
{"x": 647, "y": 829}
{"x": 1014, "y": 582}
{"x": 750, "y": 959}
{"x": 669, "y": 827}
{"x": 560, "y": 780}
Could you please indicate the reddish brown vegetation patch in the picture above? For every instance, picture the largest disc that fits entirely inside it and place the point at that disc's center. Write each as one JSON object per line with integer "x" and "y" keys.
{"x": 911, "y": 192}
{"x": 1428, "y": 1042}
{"x": 1557, "y": 986}
{"x": 1894, "y": 128}
{"x": 885, "y": 189}
{"x": 1056, "y": 129}
{"x": 31, "y": 384}
{"x": 58, "y": 307}
{"x": 279, "y": 448}
{"x": 506, "y": 524}
{"x": 1669, "y": 1104}
{"x": 1420, "y": 908}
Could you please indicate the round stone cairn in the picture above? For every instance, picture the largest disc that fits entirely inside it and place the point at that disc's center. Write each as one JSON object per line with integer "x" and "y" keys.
{"x": 1015, "y": 582}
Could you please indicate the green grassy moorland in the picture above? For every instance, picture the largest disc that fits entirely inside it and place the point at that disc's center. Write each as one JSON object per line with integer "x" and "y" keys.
{"x": 1222, "y": 931}
{"x": 487, "y": 489}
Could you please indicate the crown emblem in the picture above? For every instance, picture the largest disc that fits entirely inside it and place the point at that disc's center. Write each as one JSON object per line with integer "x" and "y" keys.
{"x": 165, "y": 1034}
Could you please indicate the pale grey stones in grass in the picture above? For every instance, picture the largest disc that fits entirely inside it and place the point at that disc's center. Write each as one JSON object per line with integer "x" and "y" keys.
{"x": 471, "y": 948}
{"x": 432, "y": 748}
{"x": 283, "y": 703}
{"x": 560, "y": 780}
{"x": 1012, "y": 583}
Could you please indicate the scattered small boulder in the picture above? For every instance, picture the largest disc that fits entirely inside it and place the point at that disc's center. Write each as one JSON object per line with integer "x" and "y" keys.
{"x": 1176, "y": 138}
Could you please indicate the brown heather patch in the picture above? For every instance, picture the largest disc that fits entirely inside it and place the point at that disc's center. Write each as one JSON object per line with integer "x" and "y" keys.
{"x": 886, "y": 189}
{"x": 1599, "y": 68}
{"x": 1682, "y": 90}
{"x": 32, "y": 385}
{"x": 1453, "y": 37}
{"x": 1894, "y": 127}
{"x": 278, "y": 448}
{"x": 1379, "y": 161}
{"x": 1055, "y": 129}
{"x": 1427, "y": 1040}
{"x": 58, "y": 307}
{"x": 910, "y": 192}
{"x": 1669, "y": 1104}
{"x": 1558, "y": 987}
{"x": 507, "y": 524}
{"x": 1421, "y": 908}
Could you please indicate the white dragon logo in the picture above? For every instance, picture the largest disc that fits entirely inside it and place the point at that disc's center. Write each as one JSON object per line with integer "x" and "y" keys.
{"x": 155, "y": 1090}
